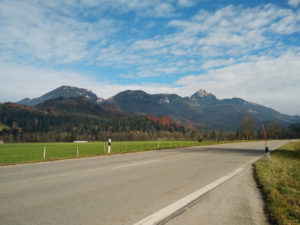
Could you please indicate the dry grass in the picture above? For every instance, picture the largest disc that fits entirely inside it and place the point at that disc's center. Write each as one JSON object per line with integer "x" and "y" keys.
{"x": 280, "y": 183}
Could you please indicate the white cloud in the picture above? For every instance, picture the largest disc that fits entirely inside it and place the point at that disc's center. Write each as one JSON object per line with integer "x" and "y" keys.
{"x": 52, "y": 32}
{"x": 229, "y": 35}
{"x": 186, "y": 3}
{"x": 148, "y": 44}
{"x": 256, "y": 48}
{"x": 288, "y": 24}
{"x": 211, "y": 39}
{"x": 27, "y": 81}
{"x": 20, "y": 82}
{"x": 142, "y": 8}
{"x": 216, "y": 63}
{"x": 36, "y": 33}
{"x": 273, "y": 82}
{"x": 294, "y": 3}
{"x": 237, "y": 31}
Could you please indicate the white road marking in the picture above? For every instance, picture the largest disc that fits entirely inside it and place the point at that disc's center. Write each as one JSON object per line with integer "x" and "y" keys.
{"x": 171, "y": 209}
{"x": 135, "y": 164}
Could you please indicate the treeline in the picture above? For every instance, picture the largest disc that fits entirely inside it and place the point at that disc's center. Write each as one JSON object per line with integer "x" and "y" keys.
{"x": 94, "y": 133}
{"x": 98, "y": 133}
{"x": 31, "y": 124}
{"x": 251, "y": 129}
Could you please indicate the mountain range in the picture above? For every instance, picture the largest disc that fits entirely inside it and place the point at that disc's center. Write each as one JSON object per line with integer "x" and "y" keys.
{"x": 202, "y": 110}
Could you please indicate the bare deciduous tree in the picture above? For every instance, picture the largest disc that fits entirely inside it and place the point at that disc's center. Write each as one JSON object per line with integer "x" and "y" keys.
{"x": 248, "y": 126}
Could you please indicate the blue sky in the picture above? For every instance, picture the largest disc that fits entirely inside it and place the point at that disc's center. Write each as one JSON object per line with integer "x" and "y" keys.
{"x": 247, "y": 49}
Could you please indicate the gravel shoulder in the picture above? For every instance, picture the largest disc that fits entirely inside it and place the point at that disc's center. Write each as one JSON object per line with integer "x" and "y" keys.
{"x": 238, "y": 201}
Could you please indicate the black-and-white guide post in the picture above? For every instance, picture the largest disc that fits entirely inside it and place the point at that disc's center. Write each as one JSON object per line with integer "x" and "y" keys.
{"x": 266, "y": 143}
{"x": 109, "y": 146}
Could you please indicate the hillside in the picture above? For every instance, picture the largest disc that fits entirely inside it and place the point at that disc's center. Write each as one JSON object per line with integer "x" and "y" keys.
{"x": 67, "y": 119}
{"x": 65, "y": 92}
{"x": 202, "y": 109}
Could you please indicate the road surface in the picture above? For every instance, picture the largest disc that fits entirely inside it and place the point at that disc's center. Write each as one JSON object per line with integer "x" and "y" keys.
{"x": 119, "y": 189}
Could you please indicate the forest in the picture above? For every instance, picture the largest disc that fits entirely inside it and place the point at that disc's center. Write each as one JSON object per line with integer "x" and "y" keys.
{"x": 67, "y": 120}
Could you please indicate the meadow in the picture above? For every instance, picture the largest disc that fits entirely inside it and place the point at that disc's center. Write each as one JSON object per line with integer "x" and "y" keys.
{"x": 33, "y": 152}
{"x": 279, "y": 180}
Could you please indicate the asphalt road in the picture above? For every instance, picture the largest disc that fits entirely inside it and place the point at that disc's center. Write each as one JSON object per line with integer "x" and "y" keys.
{"x": 117, "y": 189}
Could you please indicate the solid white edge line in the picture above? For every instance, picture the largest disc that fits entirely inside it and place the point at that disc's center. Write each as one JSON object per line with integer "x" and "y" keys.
{"x": 171, "y": 209}
{"x": 135, "y": 164}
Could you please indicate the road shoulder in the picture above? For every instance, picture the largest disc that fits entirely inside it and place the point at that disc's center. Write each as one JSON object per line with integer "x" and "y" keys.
{"x": 237, "y": 201}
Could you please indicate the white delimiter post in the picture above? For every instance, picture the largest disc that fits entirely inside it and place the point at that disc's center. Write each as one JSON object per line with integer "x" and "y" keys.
{"x": 77, "y": 151}
{"x": 108, "y": 148}
{"x": 44, "y": 154}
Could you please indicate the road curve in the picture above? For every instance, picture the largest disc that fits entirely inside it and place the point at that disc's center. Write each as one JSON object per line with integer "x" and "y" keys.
{"x": 117, "y": 189}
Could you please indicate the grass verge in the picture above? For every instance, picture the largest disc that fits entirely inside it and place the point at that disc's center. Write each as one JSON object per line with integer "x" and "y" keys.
{"x": 279, "y": 180}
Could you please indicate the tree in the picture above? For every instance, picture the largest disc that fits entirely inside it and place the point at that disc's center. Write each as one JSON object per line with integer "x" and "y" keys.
{"x": 73, "y": 136}
{"x": 5, "y": 134}
{"x": 248, "y": 126}
{"x": 193, "y": 135}
{"x": 15, "y": 133}
{"x": 274, "y": 129}
{"x": 220, "y": 135}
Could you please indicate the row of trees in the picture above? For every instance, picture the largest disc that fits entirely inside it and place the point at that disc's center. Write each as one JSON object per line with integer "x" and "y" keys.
{"x": 249, "y": 129}
{"x": 33, "y": 125}
{"x": 17, "y": 135}
{"x": 246, "y": 132}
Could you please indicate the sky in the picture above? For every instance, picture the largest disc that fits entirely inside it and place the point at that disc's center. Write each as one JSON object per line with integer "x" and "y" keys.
{"x": 232, "y": 48}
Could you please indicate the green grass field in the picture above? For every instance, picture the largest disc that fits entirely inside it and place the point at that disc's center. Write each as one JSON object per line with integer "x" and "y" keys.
{"x": 280, "y": 183}
{"x": 33, "y": 152}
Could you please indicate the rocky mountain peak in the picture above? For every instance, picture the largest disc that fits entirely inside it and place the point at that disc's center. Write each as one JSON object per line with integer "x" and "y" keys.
{"x": 65, "y": 92}
{"x": 202, "y": 94}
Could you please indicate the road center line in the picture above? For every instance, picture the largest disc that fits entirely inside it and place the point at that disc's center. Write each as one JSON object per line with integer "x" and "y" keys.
{"x": 135, "y": 164}
{"x": 162, "y": 214}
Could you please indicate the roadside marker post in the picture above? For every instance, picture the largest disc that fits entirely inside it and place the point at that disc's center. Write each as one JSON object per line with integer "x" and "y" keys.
{"x": 44, "y": 154}
{"x": 77, "y": 151}
{"x": 266, "y": 143}
{"x": 109, "y": 146}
